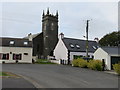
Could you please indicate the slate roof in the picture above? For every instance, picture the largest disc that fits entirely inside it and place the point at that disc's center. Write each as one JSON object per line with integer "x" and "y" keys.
{"x": 112, "y": 50}
{"x": 81, "y": 43}
{"x": 18, "y": 42}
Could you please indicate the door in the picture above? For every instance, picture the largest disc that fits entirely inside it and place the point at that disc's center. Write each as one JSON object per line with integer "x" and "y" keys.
{"x": 114, "y": 60}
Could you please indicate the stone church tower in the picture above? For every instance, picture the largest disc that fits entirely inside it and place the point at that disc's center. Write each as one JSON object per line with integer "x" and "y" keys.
{"x": 50, "y": 32}
{"x": 45, "y": 42}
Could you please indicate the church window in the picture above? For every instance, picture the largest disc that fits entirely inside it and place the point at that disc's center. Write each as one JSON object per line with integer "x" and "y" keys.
{"x": 38, "y": 48}
{"x": 46, "y": 36}
{"x": 52, "y": 26}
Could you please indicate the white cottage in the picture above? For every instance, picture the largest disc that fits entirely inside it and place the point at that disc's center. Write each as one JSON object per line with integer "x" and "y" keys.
{"x": 70, "y": 48}
{"x": 110, "y": 56}
{"x": 14, "y": 50}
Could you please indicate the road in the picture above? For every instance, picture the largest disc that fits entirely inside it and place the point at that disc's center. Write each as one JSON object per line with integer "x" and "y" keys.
{"x": 62, "y": 76}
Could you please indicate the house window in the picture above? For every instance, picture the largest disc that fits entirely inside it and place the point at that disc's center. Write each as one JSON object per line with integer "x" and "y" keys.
{"x": 0, "y": 55}
{"x": 17, "y": 56}
{"x": 77, "y": 56}
{"x": 25, "y": 53}
{"x": 12, "y": 42}
{"x": 25, "y": 43}
{"x": 71, "y": 45}
{"x": 94, "y": 47}
{"x": 92, "y": 56}
{"x": 97, "y": 46}
{"x": 4, "y": 56}
{"x": 77, "y": 46}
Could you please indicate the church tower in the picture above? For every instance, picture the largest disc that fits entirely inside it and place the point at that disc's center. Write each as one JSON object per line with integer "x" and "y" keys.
{"x": 50, "y": 32}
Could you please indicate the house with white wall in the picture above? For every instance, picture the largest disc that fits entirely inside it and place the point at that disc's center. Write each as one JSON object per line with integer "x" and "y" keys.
{"x": 70, "y": 48}
{"x": 110, "y": 55}
{"x": 14, "y": 50}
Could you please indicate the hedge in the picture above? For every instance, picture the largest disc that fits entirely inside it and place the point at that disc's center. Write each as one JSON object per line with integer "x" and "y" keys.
{"x": 82, "y": 63}
{"x": 116, "y": 68}
{"x": 75, "y": 62}
{"x": 95, "y": 65}
{"x": 92, "y": 64}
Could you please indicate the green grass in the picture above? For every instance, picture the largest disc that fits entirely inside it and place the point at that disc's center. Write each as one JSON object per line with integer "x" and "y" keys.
{"x": 43, "y": 61}
{"x": 3, "y": 74}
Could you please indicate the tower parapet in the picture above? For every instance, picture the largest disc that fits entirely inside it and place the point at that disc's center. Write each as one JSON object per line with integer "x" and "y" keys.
{"x": 48, "y": 14}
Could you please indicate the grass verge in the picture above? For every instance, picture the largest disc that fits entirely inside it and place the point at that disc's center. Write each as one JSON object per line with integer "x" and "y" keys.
{"x": 4, "y": 74}
{"x": 43, "y": 61}
{"x": 8, "y": 74}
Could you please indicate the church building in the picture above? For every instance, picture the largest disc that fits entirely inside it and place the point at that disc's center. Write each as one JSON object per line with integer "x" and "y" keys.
{"x": 44, "y": 43}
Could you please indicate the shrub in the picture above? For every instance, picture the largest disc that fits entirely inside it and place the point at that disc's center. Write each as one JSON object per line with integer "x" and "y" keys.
{"x": 95, "y": 65}
{"x": 116, "y": 67}
{"x": 90, "y": 64}
{"x": 79, "y": 63}
{"x": 82, "y": 63}
{"x": 75, "y": 62}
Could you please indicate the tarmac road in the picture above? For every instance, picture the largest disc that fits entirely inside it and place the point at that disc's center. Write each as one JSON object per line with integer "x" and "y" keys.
{"x": 62, "y": 76}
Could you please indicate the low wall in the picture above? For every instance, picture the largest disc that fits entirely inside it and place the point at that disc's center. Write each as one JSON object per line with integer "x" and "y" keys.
{"x": 55, "y": 61}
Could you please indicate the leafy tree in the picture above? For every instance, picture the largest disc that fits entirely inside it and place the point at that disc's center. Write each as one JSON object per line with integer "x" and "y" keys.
{"x": 111, "y": 39}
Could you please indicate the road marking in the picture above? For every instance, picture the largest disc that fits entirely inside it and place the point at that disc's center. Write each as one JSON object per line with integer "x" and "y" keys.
{"x": 32, "y": 81}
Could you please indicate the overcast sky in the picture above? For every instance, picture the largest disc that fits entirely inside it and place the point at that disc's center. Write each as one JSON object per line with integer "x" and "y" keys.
{"x": 21, "y": 18}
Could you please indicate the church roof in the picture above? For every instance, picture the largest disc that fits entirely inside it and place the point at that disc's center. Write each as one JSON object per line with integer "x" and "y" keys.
{"x": 78, "y": 45}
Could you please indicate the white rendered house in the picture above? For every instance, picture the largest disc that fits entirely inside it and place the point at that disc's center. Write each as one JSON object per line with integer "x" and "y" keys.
{"x": 70, "y": 48}
{"x": 14, "y": 50}
{"x": 110, "y": 56}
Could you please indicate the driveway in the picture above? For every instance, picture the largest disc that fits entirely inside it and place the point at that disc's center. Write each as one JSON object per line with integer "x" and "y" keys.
{"x": 62, "y": 76}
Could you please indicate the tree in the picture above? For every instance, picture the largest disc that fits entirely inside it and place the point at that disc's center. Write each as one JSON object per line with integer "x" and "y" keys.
{"x": 111, "y": 39}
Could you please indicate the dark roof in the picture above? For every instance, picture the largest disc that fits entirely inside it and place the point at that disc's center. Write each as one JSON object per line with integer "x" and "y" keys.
{"x": 111, "y": 50}
{"x": 81, "y": 43}
{"x": 18, "y": 42}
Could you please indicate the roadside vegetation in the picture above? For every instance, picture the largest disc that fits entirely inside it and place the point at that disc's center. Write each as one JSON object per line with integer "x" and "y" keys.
{"x": 43, "y": 61}
{"x": 4, "y": 74}
{"x": 9, "y": 74}
{"x": 91, "y": 64}
{"x": 116, "y": 68}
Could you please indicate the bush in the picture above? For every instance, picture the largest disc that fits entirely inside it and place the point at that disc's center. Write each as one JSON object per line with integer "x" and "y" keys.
{"x": 75, "y": 62}
{"x": 116, "y": 67}
{"x": 92, "y": 64}
{"x": 79, "y": 63}
{"x": 82, "y": 63}
{"x": 95, "y": 65}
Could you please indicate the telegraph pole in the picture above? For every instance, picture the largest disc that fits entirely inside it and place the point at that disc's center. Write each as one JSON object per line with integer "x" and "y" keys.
{"x": 87, "y": 26}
